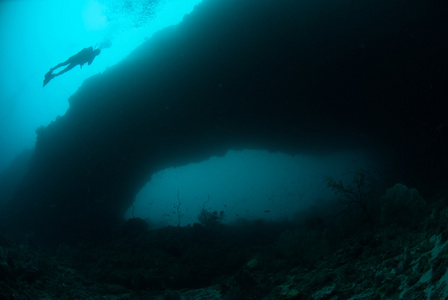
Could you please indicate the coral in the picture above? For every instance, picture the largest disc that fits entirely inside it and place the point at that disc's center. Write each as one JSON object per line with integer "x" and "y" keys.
{"x": 402, "y": 206}
{"x": 357, "y": 194}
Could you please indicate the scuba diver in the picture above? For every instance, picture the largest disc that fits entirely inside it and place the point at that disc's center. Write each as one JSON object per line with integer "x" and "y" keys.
{"x": 86, "y": 55}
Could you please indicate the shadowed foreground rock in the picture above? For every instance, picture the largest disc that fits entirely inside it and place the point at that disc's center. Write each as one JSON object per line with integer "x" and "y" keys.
{"x": 291, "y": 76}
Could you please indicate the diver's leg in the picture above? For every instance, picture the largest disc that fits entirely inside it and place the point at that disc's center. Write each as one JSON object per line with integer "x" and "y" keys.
{"x": 49, "y": 76}
{"x": 60, "y": 65}
{"x": 69, "y": 67}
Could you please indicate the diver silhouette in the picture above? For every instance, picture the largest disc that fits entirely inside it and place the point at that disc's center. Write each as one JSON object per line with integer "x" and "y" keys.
{"x": 86, "y": 55}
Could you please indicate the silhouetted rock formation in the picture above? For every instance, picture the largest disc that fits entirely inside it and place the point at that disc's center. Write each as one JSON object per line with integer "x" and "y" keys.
{"x": 293, "y": 76}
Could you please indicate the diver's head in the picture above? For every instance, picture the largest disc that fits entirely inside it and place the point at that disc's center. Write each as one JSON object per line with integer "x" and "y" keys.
{"x": 96, "y": 52}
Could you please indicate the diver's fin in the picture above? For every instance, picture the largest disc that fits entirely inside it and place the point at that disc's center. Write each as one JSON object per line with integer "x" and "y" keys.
{"x": 49, "y": 76}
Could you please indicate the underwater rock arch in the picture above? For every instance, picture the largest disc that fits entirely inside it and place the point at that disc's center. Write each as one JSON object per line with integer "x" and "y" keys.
{"x": 234, "y": 74}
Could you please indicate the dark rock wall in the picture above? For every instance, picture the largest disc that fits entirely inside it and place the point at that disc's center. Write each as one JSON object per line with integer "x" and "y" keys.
{"x": 293, "y": 76}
